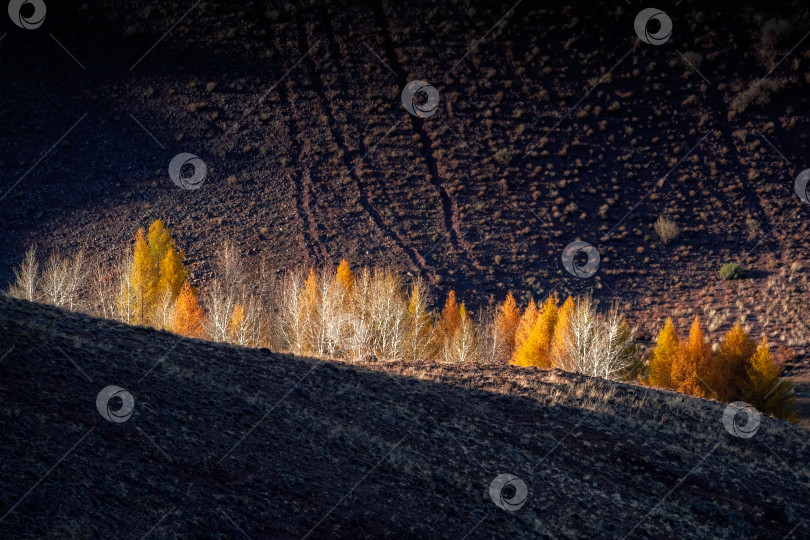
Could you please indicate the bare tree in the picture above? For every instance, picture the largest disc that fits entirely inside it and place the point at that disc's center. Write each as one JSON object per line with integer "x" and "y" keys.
{"x": 164, "y": 309}
{"x": 290, "y": 317}
{"x": 594, "y": 344}
{"x": 358, "y": 343}
{"x": 387, "y": 315}
{"x": 421, "y": 344}
{"x": 224, "y": 290}
{"x": 75, "y": 279}
{"x": 463, "y": 346}
{"x": 61, "y": 279}
{"x": 25, "y": 283}
{"x": 104, "y": 288}
{"x": 219, "y": 304}
{"x": 125, "y": 307}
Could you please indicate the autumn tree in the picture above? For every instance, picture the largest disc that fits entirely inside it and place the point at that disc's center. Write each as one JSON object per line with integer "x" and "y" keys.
{"x": 344, "y": 277}
{"x": 450, "y": 317}
{"x": 188, "y": 316}
{"x": 561, "y": 328}
{"x": 524, "y": 329}
{"x": 727, "y": 372}
{"x": 506, "y": 323}
{"x": 156, "y": 275}
{"x": 691, "y": 365}
{"x": 143, "y": 280}
{"x": 238, "y": 325}
{"x": 535, "y": 348}
{"x": 763, "y": 388}
{"x": 663, "y": 356}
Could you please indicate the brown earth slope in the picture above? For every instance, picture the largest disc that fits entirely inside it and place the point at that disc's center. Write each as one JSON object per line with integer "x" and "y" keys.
{"x": 560, "y": 124}
{"x": 225, "y": 440}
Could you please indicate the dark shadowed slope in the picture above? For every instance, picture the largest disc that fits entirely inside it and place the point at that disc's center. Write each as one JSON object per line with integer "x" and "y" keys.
{"x": 225, "y": 440}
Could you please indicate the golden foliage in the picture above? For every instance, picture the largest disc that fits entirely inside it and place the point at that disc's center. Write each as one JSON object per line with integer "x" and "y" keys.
{"x": 344, "y": 277}
{"x": 691, "y": 364}
{"x": 726, "y": 374}
{"x": 561, "y": 328}
{"x": 188, "y": 316}
{"x": 524, "y": 328}
{"x": 764, "y": 389}
{"x": 143, "y": 281}
{"x": 450, "y": 318}
{"x": 663, "y": 356}
{"x": 535, "y": 348}
{"x": 506, "y": 323}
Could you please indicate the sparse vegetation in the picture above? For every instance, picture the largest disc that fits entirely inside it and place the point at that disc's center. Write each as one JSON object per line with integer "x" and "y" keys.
{"x": 667, "y": 230}
{"x": 731, "y": 271}
{"x": 759, "y": 93}
{"x": 336, "y": 313}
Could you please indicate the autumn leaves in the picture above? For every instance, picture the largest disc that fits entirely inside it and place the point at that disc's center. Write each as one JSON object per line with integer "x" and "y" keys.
{"x": 738, "y": 370}
{"x": 156, "y": 292}
{"x": 375, "y": 313}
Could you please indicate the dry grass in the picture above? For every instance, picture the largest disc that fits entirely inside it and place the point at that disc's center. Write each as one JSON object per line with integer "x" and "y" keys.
{"x": 667, "y": 230}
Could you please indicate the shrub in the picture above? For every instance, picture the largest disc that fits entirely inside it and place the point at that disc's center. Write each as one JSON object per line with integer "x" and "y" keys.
{"x": 731, "y": 271}
{"x": 667, "y": 230}
{"x": 776, "y": 33}
{"x": 759, "y": 93}
{"x": 503, "y": 156}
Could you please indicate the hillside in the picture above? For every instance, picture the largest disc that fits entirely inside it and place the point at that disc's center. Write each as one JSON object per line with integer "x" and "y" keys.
{"x": 225, "y": 440}
{"x": 559, "y": 125}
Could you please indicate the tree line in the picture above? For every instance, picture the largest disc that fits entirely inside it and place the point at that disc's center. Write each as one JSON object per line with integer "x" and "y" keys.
{"x": 376, "y": 313}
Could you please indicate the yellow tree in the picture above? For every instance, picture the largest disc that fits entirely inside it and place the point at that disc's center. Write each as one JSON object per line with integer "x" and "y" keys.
{"x": 727, "y": 372}
{"x": 160, "y": 241}
{"x": 524, "y": 328}
{"x": 143, "y": 281}
{"x": 663, "y": 356}
{"x": 561, "y": 331}
{"x": 172, "y": 272}
{"x": 691, "y": 365}
{"x": 535, "y": 349}
{"x": 450, "y": 318}
{"x": 547, "y": 323}
{"x": 763, "y": 388}
{"x": 155, "y": 277}
{"x": 344, "y": 277}
{"x": 506, "y": 323}
{"x": 188, "y": 316}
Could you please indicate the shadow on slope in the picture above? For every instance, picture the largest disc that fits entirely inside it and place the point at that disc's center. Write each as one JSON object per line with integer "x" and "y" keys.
{"x": 226, "y": 440}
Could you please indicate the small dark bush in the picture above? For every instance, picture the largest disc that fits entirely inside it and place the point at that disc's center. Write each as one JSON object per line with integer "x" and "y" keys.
{"x": 731, "y": 271}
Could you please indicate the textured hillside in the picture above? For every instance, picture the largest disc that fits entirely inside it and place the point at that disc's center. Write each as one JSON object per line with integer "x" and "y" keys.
{"x": 559, "y": 125}
{"x": 224, "y": 440}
